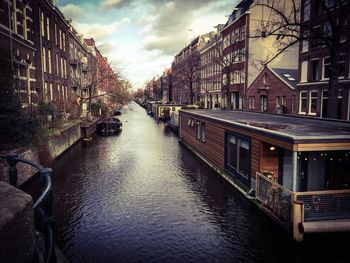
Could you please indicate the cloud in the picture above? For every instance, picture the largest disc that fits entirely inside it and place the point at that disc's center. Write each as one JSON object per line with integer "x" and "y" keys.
{"x": 73, "y": 11}
{"x": 108, "y": 4}
{"x": 100, "y": 32}
{"x": 168, "y": 30}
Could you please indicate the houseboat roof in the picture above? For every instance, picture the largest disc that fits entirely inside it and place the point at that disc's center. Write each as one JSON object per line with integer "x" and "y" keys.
{"x": 291, "y": 128}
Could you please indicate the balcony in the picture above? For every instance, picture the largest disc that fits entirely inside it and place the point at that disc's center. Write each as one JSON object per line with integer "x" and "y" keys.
{"x": 304, "y": 212}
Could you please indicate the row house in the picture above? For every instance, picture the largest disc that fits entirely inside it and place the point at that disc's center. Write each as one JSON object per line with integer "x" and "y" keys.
{"x": 17, "y": 29}
{"x": 52, "y": 60}
{"x": 211, "y": 71}
{"x": 82, "y": 64}
{"x": 167, "y": 86}
{"x": 244, "y": 51}
{"x": 315, "y": 60}
{"x": 186, "y": 72}
{"x": 274, "y": 91}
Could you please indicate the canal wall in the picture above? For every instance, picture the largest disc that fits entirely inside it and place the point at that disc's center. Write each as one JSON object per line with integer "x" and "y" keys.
{"x": 17, "y": 230}
{"x": 44, "y": 154}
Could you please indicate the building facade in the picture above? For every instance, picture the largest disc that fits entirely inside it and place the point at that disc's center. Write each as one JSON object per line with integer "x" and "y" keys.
{"x": 211, "y": 72}
{"x": 17, "y": 38}
{"x": 314, "y": 60}
{"x": 52, "y": 60}
{"x": 274, "y": 91}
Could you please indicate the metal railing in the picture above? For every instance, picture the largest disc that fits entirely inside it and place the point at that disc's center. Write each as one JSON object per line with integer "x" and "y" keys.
{"x": 43, "y": 205}
{"x": 325, "y": 205}
{"x": 276, "y": 198}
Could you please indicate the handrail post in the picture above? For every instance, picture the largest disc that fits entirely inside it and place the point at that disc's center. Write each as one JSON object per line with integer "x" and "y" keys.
{"x": 298, "y": 220}
{"x": 12, "y": 161}
{"x": 48, "y": 219}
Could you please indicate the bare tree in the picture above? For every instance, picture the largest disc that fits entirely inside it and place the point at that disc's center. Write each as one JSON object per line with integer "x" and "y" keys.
{"x": 186, "y": 72}
{"x": 292, "y": 21}
{"x": 227, "y": 55}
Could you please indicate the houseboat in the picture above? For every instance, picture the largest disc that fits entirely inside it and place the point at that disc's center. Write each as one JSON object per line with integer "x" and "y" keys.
{"x": 164, "y": 111}
{"x": 173, "y": 123}
{"x": 296, "y": 169}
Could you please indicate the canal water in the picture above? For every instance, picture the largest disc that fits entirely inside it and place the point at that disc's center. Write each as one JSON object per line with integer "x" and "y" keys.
{"x": 142, "y": 197}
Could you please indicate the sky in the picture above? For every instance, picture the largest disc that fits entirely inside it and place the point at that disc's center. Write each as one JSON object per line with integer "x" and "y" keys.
{"x": 141, "y": 37}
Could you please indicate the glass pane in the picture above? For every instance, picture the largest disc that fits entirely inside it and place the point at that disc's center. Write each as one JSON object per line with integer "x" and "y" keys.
{"x": 244, "y": 157}
{"x": 231, "y": 151}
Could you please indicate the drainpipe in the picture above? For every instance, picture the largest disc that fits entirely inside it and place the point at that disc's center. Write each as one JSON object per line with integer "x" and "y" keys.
{"x": 11, "y": 44}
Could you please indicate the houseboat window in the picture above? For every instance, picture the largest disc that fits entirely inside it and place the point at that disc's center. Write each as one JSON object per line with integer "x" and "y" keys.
{"x": 203, "y": 132}
{"x": 238, "y": 155}
{"x": 200, "y": 131}
{"x": 243, "y": 157}
{"x": 231, "y": 151}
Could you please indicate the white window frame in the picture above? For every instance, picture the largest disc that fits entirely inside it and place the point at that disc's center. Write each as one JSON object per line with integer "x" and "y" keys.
{"x": 322, "y": 97}
{"x": 300, "y": 101}
{"x": 323, "y": 69}
{"x": 310, "y": 99}
{"x": 304, "y": 73}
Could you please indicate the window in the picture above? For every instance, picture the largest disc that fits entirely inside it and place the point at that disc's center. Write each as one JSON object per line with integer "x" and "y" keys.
{"x": 25, "y": 24}
{"x": 313, "y": 102}
{"x": 303, "y": 71}
{"x": 56, "y": 34}
{"x": 42, "y": 24}
{"x": 283, "y": 101}
{"x": 315, "y": 70}
{"x": 263, "y": 103}
{"x": 251, "y": 103}
{"x": 51, "y": 92}
{"x": 49, "y": 58}
{"x": 44, "y": 59}
{"x": 326, "y": 68}
{"x": 324, "y": 102}
{"x": 200, "y": 131}
{"x": 305, "y": 46}
{"x": 278, "y": 101}
{"x": 46, "y": 92}
{"x": 303, "y": 102}
{"x": 57, "y": 65}
{"x": 341, "y": 64}
{"x": 238, "y": 156}
{"x": 60, "y": 38}
{"x": 327, "y": 30}
{"x": 340, "y": 99}
{"x": 306, "y": 13}
{"x": 48, "y": 28}
{"x": 64, "y": 41}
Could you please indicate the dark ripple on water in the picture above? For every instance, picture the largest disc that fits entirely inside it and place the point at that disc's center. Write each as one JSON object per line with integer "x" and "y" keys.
{"x": 141, "y": 197}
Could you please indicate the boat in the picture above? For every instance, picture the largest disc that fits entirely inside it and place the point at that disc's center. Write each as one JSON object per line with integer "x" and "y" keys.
{"x": 110, "y": 125}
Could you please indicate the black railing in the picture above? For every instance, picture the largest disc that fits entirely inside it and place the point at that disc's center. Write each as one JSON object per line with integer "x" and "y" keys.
{"x": 43, "y": 205}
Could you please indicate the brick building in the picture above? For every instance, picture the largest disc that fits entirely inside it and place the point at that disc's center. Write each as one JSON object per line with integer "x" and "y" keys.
{"x": 186, "y": 72}
{"x": 211, "y": 71}
{"x": 274, "y": 90}
{"x": 17, "y": 29}
{"x": 52, "y": 60}
{"x": 245, "y": 50}
{"x": 314, "y": 60}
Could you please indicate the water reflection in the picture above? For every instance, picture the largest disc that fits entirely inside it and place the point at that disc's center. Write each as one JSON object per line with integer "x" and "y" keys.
{"x": 141, "y": 197}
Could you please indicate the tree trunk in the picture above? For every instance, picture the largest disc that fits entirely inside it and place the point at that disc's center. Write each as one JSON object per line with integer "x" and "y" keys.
{"x": 228, "y": 100}
{"x": 332, "y": 104}
{"x": 191, "y": 92}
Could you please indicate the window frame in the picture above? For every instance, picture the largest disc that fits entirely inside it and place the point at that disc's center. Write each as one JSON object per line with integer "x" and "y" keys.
{"x": 310, "y": 98}
{"x": 300, "y": 101}
{"x": 234, "y": 171}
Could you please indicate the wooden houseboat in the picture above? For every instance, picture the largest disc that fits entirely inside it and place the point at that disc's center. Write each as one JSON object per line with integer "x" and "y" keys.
{"x": 296, "y": 169}
{"x": 173, "y": 123}
{"x": 164, "y": 111}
